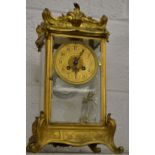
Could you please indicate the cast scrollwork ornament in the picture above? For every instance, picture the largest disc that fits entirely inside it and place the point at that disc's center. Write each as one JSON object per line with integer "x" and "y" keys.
{"x": 74, "y": 22}
{"x": 37, "y": 127}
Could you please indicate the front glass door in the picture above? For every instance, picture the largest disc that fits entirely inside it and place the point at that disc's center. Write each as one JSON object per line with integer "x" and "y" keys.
{"x": 78, "y": 104}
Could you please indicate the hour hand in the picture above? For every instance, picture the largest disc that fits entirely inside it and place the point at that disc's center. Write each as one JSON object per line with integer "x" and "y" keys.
{"x": 76, "y": 71}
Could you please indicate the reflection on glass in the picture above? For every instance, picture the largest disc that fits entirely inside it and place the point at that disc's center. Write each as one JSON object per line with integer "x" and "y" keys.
{"x": 76, "y": 104}
{"x": 88, "y": 108}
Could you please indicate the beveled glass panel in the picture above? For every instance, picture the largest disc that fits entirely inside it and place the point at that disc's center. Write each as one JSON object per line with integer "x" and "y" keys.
{"x": 42, "y": 78}
{"x": 76, "y": 103}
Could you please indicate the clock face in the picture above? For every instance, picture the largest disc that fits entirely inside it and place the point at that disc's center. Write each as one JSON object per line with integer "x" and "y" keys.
{"x": 75, "y": 63}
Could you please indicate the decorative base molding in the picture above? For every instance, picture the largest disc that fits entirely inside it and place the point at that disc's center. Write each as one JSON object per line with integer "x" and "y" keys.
{"x": 44, "y": 133}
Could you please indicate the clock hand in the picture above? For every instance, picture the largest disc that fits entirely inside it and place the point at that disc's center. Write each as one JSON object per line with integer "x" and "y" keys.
{"x": 75, "y": 69}
{"x": 75, "y": 63}
{"x": 76, "y": 59}
{"x": 80, "y": 55}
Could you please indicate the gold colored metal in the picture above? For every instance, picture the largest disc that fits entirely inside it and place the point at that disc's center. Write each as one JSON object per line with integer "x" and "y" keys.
{"x": 86, "y": 68}
{"x": 44, "y": 133}
{"x": 74, "y": 24}
{"x": 48, "y": 74}
{"x": 94, "y": 148}
{"x": 103, "y": 80}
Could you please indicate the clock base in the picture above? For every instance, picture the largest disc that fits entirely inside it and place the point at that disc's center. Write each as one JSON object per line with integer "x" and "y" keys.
{"x": 65, "y": 135}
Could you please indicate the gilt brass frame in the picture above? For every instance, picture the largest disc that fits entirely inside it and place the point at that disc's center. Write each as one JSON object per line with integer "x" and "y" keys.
{"x": 43, "y": 131}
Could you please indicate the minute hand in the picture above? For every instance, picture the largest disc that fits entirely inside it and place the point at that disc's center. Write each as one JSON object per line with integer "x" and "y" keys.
{"x": 80, "y": 55}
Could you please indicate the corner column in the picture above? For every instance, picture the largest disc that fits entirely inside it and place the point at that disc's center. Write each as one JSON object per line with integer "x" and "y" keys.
{"x": 103, "y": 81}
{"x": 48, "y": 75}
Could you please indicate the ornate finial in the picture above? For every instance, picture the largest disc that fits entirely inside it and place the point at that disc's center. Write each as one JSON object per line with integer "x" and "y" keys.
{"x": 76, "y": 5}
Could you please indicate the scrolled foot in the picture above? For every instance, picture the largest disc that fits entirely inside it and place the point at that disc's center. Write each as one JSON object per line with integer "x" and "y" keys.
{"x": 117, "y": 150}
{"x": 33, "y": 147}
{"x": 94, "y": 148}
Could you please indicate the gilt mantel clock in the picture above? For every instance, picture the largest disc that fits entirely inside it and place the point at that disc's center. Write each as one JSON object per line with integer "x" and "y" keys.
{"x": 74, "y": 112}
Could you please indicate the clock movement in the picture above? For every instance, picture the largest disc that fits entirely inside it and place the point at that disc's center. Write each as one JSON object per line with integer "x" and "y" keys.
{"x": 73, "y": 84}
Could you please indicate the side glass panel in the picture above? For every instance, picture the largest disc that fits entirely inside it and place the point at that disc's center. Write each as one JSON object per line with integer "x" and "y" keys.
{"x": 41, "y": 79}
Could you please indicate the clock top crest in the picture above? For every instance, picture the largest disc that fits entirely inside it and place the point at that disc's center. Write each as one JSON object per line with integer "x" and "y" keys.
{"x": 74, "y": 105}
{"x": 74, "y": 24}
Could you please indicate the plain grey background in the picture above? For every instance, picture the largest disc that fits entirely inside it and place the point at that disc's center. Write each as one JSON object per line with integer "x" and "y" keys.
{"x": 117, "y": 62}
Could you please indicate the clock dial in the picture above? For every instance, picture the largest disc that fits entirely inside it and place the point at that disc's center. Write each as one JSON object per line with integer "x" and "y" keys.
{"x": 75, "y": 63}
